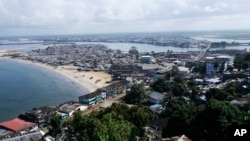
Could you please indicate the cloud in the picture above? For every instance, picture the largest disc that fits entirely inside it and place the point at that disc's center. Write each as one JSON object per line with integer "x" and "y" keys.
{"x": 93, "y": 16}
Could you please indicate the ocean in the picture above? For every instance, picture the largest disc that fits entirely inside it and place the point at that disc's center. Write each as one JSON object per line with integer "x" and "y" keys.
{"x": 24, "y": 86}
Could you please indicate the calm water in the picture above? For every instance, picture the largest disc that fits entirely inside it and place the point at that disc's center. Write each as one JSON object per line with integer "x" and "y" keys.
{"x": 24, "y": 86}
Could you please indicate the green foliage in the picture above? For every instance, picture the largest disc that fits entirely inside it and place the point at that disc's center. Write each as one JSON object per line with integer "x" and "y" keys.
{"x": 245, "y": 65}
{"x": 181, "y": 114}
{"x": 178, "y": 89}
{"x": 200, "y": 68}
{"x": 238, "y": 61}
{"x": 136, "y": 94}
{"x": 160, "y": 85}
{"x": 116, "y": 123}
{"x": 219, "y": 94}
{"x": 175, "y": 71}
{"x": 204, "y": 122}
{"x": 55, "y": 125}
{"x": 214, "y": 121}
{"x": 133, "y": 50}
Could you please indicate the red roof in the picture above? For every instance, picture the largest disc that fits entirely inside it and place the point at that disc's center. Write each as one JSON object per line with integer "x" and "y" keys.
{"x": 17, "y": 124}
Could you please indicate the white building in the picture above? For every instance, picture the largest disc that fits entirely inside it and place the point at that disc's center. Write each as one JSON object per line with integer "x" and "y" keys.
{"x": 147, "y": 59}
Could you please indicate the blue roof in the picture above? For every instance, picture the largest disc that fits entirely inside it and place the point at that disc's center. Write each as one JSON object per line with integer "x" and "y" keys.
{"x": 155, "y": 106}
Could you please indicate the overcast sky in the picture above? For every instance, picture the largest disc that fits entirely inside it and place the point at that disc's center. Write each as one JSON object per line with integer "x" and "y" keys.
{"x": 42, "y": 17}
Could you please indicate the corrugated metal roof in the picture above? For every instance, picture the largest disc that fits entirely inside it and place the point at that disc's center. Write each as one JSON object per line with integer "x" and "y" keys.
{"x": 17, "y": 124}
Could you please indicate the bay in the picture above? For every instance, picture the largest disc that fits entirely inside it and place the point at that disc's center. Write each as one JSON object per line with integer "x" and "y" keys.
{"x": 25, "y": 86}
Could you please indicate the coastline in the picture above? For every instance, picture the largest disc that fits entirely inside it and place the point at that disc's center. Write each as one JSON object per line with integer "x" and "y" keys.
{"x": 89, "y": 81}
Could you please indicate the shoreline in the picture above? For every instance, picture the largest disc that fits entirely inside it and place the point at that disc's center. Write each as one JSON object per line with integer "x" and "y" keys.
{"x": 89, "y": 81}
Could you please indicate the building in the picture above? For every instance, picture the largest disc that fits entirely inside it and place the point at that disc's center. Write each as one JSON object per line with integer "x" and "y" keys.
{"x": 155, "y": 97}
{"x": 181, "y": 55}
{"x": 115, "y": 88}
{"x": 33, "y": 136}
{"x": 16, "y": 126}
{"x": 39, "y": 115}
{"x": 218, "y": 64}
{"x": 156, "y": 107}
{"x": 92, "y": 98}
{"x": 184, "y": 71}
{"x": 121, "y": 71}
{"x": 67, "y": 109}
{"x": 147, "y": 60}
{"x": 213, "y": 81}
{"x": 101, "y": 94}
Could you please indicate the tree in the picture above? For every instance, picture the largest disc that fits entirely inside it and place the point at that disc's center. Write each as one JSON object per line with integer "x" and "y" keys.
{"x": 89, "y": 127}
{"x": 140, "y": 117}
{"x": 178, "y": 89}
{"x": 215, "y": 120}
{"x": 215, "y": 93}
{"x": 181, "y": 117}
{"x": 245, "y": 65}
{"x": 133, "y": 50}
{"x": 136, "y": 94}
{"x": 160, "y": 85}
{"x": 55, "y": 125}
{"x": 200, "y": 68}
{"x": 238, "y": 61}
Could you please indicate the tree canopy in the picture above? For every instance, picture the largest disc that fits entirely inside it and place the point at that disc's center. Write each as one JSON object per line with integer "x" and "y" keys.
{"x": 136, "y": 95}
{"x": 118, "y": 122}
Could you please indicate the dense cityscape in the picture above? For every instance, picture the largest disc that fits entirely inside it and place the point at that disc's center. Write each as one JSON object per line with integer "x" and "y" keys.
{"x": 115, "y": 70}
{"x": 151, "y": 95}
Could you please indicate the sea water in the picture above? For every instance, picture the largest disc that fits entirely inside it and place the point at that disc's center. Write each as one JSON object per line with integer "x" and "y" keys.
{"x": 24, "y": 86}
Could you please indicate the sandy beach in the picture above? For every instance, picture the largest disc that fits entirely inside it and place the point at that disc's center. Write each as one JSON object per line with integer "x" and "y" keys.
{"x": 90, "y": 80}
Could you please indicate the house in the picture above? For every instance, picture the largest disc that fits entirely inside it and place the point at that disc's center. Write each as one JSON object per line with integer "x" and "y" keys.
{"x": 176, "y": 138}
{"x": 156, "y": 107}
{"x": 39, "y": 115}
{"x": 33, "y": 136}
{"x": 15, "y": 126}
{"x": 154, "y": 131}
{"x": 156, "y": 97}
{"x": 241, "y": 101}
{"x": 67, "y": 109}
{"x": 213, "y": 81}
{"x": 198, "y": 81}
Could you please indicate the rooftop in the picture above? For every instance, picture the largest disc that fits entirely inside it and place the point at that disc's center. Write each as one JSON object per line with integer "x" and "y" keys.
{"x": 156, "y": 95}
{"x": 17, "y": 124}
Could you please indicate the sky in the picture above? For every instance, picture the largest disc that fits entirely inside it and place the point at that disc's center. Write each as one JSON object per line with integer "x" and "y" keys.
{"x": 50, "y": 17}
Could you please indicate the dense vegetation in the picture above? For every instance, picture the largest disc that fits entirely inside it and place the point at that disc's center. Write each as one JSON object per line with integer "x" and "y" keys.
{"x": 118, "y": 122}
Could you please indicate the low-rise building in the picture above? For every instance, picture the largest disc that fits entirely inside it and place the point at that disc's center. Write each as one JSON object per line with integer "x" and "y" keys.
{"x": 156, "y": 97}
{"x": 39, "y": 115}
{"x": 67, "y": 109}
{"x": 147, "y": 59}
{"x": 15, "y": 126}
{"x": 92, "y": 98}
